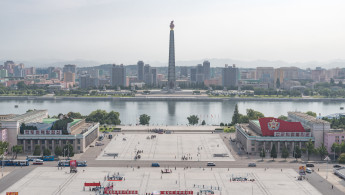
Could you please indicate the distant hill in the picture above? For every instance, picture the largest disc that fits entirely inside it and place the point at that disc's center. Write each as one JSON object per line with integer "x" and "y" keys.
{"x": 215, "y": 62}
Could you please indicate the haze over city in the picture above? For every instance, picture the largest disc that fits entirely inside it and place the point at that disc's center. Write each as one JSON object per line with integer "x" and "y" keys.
{"x": 40, "y": 32}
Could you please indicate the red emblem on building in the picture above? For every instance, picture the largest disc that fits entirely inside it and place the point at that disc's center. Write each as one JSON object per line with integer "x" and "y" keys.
{"x": 273, "y": 125}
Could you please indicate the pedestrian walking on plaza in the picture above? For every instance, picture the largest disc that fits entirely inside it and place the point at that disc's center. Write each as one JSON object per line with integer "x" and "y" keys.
{"x": 332, "y": 187}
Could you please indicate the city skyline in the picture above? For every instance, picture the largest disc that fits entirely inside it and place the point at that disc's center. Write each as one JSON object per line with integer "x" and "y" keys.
{"x": 119, "y": 32}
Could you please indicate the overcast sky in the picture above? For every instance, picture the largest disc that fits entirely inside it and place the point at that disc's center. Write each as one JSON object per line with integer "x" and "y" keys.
{"x": 125, "y": 31}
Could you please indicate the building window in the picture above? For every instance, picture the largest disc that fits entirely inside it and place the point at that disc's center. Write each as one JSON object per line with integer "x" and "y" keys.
{"x": 78, "y": 141}
{"x": 71, "y": 141}
{"x": 36, "y": 141}
{"x": 57, "y": 141}
{"x": 64, "y": 141}
{"x": 50, "y": 148}
{"x": 253, "y": 149}
{"x": 43, "y": 141}
{"x": 50, "y": 141}
{"x": 78, "y": 147}
{"x": 29, "y": 147}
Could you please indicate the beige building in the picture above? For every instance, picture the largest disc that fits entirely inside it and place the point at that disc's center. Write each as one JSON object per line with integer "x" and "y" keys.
{"x": 81, "y": 135}
{"x": 13, "y": 124}
{"x": 319, "y": 128}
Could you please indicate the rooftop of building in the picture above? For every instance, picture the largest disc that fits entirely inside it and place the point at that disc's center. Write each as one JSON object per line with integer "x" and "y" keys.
{"x": 249, "y": 130}
{"x": 23, "y": 116}
{"x": 308, "y": 117}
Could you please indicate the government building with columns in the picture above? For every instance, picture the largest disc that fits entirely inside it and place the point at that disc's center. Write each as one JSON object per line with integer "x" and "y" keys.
{"x": 261, "y": 134}
{"x": 38, "y": 130}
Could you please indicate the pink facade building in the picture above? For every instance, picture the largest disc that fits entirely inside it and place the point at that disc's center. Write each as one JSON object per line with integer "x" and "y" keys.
{"x": 334, "y": 136}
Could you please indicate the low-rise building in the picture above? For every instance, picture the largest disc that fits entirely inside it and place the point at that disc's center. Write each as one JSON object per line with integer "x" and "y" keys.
{"x": 38, "y": 130}
{"x": 80, "y": 135}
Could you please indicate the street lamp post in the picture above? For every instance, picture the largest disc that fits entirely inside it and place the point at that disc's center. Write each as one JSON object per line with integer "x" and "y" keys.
{"x": 327, "y": 158}
{"x": 2, "y": 163}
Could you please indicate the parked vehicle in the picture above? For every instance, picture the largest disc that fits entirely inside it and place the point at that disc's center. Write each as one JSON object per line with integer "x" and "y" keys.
{"x": 99, "y": 144}
{"x": 66, "y": 163}
{"x": 211, "y": 164}
{"x": 110, "y": 136}
{"x": 309, "y": 165}
{"x": 251, "y": 165}
{"x": 309, "y": 170}
{"x": 44, "y": 158}
{"x": 14, "y": 162}
{"x": 37, "y": 162}
{"x": 336, "y": 166}
{"x": 155, "y": 165}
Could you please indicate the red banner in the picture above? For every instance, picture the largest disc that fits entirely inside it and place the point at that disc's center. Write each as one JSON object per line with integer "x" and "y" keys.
{"x": 11, "y": 193}
{"x": 270, "y": 125}
{"x": 176, "y": 192}
{"x": 120, "y": 191}
{"x": 92, "y": 184}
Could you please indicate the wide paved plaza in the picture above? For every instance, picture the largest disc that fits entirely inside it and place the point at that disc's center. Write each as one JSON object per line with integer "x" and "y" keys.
{"x": 50, "y": 180}
{"x": 167, "y": 147}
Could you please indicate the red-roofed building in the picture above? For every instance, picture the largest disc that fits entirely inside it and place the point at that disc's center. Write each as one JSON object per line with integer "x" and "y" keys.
{"x": 271, "y": 125}
{"x": 261, "y": 134}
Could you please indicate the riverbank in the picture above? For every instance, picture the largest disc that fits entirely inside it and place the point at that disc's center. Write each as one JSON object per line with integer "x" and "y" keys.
{"x": 171, "y": 98}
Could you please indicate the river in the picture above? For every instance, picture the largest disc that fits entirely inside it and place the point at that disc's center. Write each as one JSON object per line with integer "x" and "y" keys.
{"x": 169, "y": 112}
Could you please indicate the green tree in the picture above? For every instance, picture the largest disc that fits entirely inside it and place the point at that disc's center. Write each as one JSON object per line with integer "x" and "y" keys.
{"x": 113, "y": 118}
{"x": 322, "y": 151}
{"x": 16, "y": 149}
{"x": 37, "y": 150}
{"x": 278, "y": 83}
{"x": 274, "y": 152}
{"x": 58, "y": 151}
{"x": 310, "y": 148}
{"x": 103, "y": 117}
{"x": 262, "y": 154}
{"x": 282, "y": 117}
{"x": 3, "y": 147}
{"x": 341, "y": 158}
{"x": 46, "y": 152}
{"x": 310, "y": 113}
{"x": 203, "y": 122}
{"x": 336, "y": 148}
{"x": 193, "y": 119}
{"x": 285, "y": 153}
{"x": 332, "y": 81}
{"x": 144, "y": 119}
{"x": 76, "y": 115}
{"x": 297, "y": 152}
{"x": 236, "y": 116}
{"x": 253, "y": 115}
{"x": 243, "y": 119}
{"x": 21, "y": 85}
{"x": 68, "y": 150}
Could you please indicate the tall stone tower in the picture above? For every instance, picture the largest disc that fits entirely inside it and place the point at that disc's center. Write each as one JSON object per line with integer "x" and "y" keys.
{"x": 171, "y": 68}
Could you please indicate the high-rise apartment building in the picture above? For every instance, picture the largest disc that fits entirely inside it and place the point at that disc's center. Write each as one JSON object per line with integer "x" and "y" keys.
{"x": 69, "y": 77}
{"x": 140, "y": 66}
{"x": 230, "y": 76}
{"x": 70, "y": 68}
{"x": 184, "y": 71}
{"x": 86, "y": 81}
{"x": 265, "y": 75}
{"x": 118, "y": 75}
{"x": 193, "y": 73}
{"x": 207, "y": 69}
